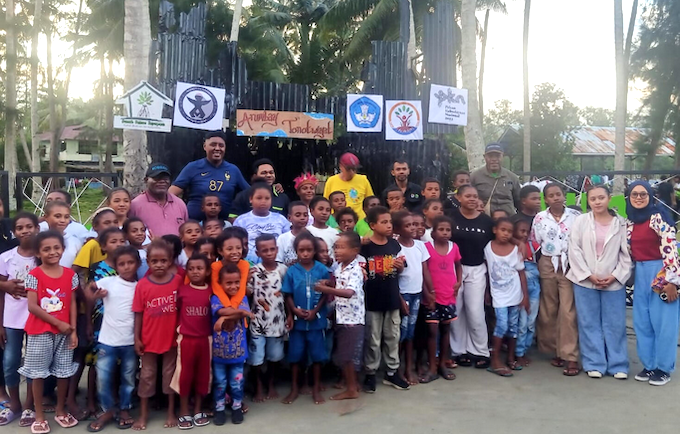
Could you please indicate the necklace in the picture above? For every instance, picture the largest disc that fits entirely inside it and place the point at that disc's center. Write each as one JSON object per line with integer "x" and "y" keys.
{"x": 555, "y": 216}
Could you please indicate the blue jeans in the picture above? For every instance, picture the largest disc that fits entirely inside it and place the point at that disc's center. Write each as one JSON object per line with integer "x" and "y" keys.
{"x": 233, "y": 374}
{"x": 107, "y": 366}
{"x": 602, "y": 339}
{"x": 11, "y": 358}
{"x": 654, "y": 320}
{"x": 527, "y": 321}
{"x": 408, "y": 323}
{"x": 507, "y": 321}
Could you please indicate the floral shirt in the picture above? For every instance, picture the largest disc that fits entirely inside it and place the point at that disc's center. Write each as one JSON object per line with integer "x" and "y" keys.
{"x": 553, "y": 236}
{"x": 229, "y": 347}
{"x": 268, "y": 303}
{"x": 351, "y": 310}
{"x": 668, "y": 247}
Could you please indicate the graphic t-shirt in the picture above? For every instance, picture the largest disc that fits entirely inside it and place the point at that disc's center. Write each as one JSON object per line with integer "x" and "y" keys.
{"x": 356, "y": 190}
{"x": 274, "y": 224}
{"x": 286, "y": 254}
{"x": 472, "y": 235}
{"x": 157, "y": 302}
{"x": 229, "y": 347}
{"x": 15, "y": 266}
{"x": 443, "y": 271}
{"x": 268, "y": 303}
{"x": 506, "y": 289}
{"x": 195, "y": 315}
{"x": 118, "y": 323}
{"x": 411, "y": 279}
{"x": 90, "y": 254}
{"x": 200, "y": 177}
{"x": 382, "y": 286}
{"x": 351, "y": 310}
{"x": 54, "y": 297}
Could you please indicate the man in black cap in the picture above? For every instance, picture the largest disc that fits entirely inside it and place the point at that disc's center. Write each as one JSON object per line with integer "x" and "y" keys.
{"x": 498, "y": 187}
{"x": 161, "y": 211}
{"x": 401, "y": 172}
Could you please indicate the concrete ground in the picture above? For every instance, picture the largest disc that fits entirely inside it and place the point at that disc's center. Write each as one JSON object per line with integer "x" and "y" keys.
{"x": 538, "y": 399}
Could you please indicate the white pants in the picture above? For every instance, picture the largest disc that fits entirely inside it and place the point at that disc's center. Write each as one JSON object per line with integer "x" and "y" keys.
{"x": 468, "y": 333}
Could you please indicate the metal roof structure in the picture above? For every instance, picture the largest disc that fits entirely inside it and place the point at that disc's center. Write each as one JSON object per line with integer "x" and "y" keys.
{"x": 73, "y": 132}
{"x": 599, "y": 141}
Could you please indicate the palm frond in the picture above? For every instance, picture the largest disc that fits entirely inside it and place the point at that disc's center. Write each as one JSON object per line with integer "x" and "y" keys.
{"x": 373, "y": 27}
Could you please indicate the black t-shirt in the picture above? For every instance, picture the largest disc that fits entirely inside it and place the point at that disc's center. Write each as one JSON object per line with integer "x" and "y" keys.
{"x": 472, "y": 235}
{"x": 412, "y": 196}
{"x": 241, "y": 204}
{"x": 521, "y": 216}
{"x": 7, "y": 240}
{"x": 382, "y": 286}
{"x": 665, "y": 191}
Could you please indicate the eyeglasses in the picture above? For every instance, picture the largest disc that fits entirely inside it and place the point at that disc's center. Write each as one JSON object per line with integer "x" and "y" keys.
{"x": 642, "y": 195}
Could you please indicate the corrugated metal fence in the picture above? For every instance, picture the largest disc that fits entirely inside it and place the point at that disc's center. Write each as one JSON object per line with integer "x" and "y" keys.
{"x": 181, "y": 57}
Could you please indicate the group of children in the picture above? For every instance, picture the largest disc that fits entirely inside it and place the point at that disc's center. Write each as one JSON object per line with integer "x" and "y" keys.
{"x": 198, "y": 308}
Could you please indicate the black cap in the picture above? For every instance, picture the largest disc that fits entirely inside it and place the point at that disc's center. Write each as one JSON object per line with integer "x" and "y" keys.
{"x": 493, "y": 147}
{"x": 156, "y": 169}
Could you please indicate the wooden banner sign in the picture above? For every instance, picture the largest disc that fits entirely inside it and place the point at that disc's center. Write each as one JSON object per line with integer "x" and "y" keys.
{"x": 297, "y": 125}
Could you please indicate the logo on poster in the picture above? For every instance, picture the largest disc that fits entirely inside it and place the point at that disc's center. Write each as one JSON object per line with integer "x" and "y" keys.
{"x": 404, "y": 118}
{"x": 365, "y": 113}
{"x": 197, "y": 105}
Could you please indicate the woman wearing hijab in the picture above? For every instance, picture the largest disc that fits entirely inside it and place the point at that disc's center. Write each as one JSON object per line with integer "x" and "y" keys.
{"x": 656, "y": 313}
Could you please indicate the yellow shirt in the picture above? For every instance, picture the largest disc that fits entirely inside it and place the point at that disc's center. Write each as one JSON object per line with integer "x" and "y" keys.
{"x": 356, "y": 190}
{"x": 91, "y": 253}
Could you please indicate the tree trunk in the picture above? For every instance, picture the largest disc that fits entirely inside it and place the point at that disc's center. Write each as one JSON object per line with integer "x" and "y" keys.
{"x": 236, "y": 21}
{"x": 100, "y": 113}
{"x": 474, "y": 141}
{"x": 11, "y": 98}
{"x": 108, "y": 162}
{"x": 55, "y": 145}
{"x": 482, "y": 62}
{"x": 621, "y": 97}
{"x": 527, "y": 102}
{"x": 137, "y": 43}
{"x": 35, "y": 143}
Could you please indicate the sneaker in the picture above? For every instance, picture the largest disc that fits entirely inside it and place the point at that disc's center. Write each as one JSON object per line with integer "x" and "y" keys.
{"x": 595, "y": 374}
{"x": 236, "y": 415}
{"x": 369, "y": 383}
{"x": 220, "y": 417}
{"x": 621, "y": 376}
{"x": 396, "y": 381}
{"x": 644, "y": 375}
{"x": 659, "y": 378}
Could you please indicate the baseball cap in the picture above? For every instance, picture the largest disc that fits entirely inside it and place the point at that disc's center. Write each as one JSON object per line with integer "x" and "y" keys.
{"x": 156, "y": 169}
{"x": 493, "y": 147}
{"x": 349, "y": 160}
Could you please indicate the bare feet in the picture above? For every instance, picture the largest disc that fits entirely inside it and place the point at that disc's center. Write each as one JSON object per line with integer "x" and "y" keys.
{"x": 170, "y": 422}
{"x": 523, "y": 361}
{"x": 345, "y": 395}
{"x": 317, "y": 397}
{"x": 273, "y": 394}
{"x": 306, "y": 390}
{"x": 292, "y": 396}
{"x": 259, "y": 396}
{"x": 139, "y": 425}
{"x": 340, "y": 385}
{"x": 411, "y": 378}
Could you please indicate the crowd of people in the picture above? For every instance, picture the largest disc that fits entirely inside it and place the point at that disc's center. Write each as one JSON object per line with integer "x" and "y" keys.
{"x": 166, "y": 297}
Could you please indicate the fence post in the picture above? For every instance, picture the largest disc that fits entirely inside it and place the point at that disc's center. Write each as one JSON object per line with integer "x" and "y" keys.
{"x": 18, "y": 192}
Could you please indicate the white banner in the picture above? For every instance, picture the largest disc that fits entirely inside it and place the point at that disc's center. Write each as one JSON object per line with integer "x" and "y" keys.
{"x": 144, "y": 107}
{"x": 364, "y": 113}
{"x": 448, "y": 105}
{"x": 199, "y": 107}
{"x": 404, "y": 120}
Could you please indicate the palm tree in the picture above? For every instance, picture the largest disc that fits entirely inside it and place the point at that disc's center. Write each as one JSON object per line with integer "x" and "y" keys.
{"x": 527, "y": 100}
{"x": 474, "y": 141}
{"x": 489, "y": 5}
{"x": 11, "y": 93}
{"x": 137, "y": 43}
{"x": 236, "y": 21}
{"x": 35, "y": 143}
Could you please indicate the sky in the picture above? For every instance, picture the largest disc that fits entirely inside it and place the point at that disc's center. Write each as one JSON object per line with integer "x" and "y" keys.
{"x": 571, "y": 44}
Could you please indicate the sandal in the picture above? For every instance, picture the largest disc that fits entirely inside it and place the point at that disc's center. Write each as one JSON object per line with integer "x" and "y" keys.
{"x": 483, "y": 363}
{"x": 451, "y": 364}
{"x": 503, "y": 371}
{"x": 464, "y": 360}
{"x": 428, "y": 378}
{"x": 557, "y": 362}
{"x": 27, "y": 418}
{"x": 201, "y": 419}
{"x": 515, "y": 366}
{"x": 125, "y": 423}
{"x": 571, "y": 372}
{"x": 96, "y": 426}
{"x": 185, "y": 422}
{"x": 7, "y": 416}
{"x": 40, "y": 427}
{"x": 446, "y": 374}
{"x": 66, "y": 421}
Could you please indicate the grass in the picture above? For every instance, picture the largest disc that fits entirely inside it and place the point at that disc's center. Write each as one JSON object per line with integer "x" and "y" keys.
{"x": 82, "y": 208}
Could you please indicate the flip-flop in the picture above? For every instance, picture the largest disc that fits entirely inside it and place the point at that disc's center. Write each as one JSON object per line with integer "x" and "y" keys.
{"x": 185, "y": 422}
{"x": 66, "y": 421}
{"x": 482, "y": 363}
{"x": 125, "y": 423}
{"x": 201, "y": 419}
{"x": 40, "y": 427}
{"x": 464, "y": 361}
{"x": 446, "y": 374}
{"x": 7, "y": 416}
{"x": 502, "y": 372}
{"x": 428, "y": 378}
{"x": 557, "y": 362}
{"x": 27, "y": 418}
{"x": 101, "y": 426}
{"x": 515, "y": 366}
{"x": 571, "y": 372}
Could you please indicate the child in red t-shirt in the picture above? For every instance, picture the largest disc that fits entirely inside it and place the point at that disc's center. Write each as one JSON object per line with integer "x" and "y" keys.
{"x": 193, "y": 343}
{"x": 51, "y": 327}
{"x": 155, "y": 308}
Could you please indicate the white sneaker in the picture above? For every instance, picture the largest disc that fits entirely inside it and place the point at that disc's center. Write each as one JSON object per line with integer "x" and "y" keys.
{"x": 595, "y": 374}
{"x": 621, "y": 376}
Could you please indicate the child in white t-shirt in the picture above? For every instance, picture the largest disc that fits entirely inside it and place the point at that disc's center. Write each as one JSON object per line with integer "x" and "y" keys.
{"x": 321, "y": 211}
{"x": 298, "y": 218}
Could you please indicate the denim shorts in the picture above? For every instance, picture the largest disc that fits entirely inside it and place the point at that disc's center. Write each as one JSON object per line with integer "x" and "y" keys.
{"x": 263, "y": 348}
{"x": 408, "y": 323}
{"x": 302, "y": 342}
{"x": 507, "y": 321}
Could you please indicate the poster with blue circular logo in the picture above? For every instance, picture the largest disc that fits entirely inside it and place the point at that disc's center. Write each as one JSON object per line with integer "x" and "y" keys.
{"x": 364, "y": 113}
{"x": 199, "y": 107}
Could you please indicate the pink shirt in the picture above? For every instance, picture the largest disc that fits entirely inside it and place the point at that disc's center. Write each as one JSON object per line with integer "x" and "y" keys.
{"x": 160, "y": 220}
{"x": 600, "y": 237}
{"x": 443, "y": 271}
